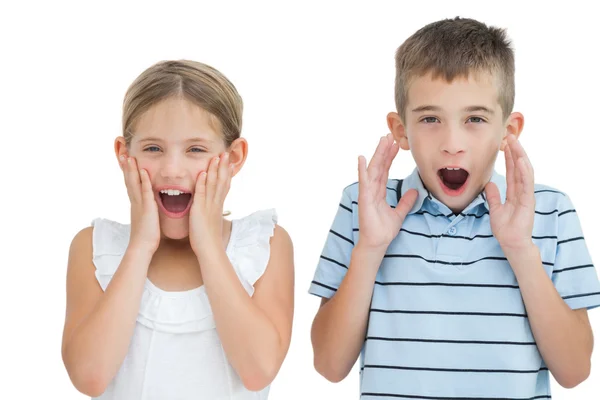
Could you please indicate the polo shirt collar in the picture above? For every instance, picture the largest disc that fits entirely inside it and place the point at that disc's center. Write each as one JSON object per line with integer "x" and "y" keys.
{"x": 424, "y": 197}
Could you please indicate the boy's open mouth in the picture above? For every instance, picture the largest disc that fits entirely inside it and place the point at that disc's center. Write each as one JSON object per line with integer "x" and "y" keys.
{"x": 453, "y": 178}
{"x": 175, "y": 203}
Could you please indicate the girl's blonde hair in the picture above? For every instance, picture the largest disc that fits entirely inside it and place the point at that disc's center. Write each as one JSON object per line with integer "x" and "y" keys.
{"x": 197, "y": 82}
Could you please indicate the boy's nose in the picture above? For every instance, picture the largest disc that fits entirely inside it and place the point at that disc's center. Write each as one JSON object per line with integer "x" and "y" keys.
{"x": 453, "y": 142}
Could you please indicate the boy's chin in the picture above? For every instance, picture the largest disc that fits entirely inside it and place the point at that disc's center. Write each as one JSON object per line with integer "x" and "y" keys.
{"x": 458, "y": 203}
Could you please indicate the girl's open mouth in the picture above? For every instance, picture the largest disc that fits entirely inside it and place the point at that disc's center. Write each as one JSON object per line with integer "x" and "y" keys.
{"x": 174, "y": 203}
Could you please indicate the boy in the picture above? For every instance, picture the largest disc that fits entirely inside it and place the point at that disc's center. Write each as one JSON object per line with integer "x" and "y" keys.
{"x": 454, "y": 282}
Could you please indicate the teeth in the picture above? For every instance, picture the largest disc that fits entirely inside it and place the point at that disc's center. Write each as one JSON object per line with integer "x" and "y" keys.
{"x": 171, "y": 192}
{"x": 452, "y": 169}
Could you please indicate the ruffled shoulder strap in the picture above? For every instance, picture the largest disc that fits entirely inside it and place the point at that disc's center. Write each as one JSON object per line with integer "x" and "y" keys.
{"x": 249, "y": 251}
{"x": 109, "y": 242}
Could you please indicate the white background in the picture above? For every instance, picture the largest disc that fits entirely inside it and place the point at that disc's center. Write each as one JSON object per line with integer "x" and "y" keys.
{"x": 317, "y": 80}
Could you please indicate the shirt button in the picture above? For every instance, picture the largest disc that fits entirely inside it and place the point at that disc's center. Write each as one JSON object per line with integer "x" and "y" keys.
{"x": 452, "y": 231}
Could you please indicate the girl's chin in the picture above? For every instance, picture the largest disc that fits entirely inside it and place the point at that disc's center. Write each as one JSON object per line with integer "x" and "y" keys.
{"x": 175, "y": 230}
{"x": 175, "y": 236}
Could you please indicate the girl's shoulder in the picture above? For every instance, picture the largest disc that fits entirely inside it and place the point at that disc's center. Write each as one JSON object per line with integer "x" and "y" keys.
{"x": 255, "y": 226}
{"x": 109, "y": 237}
{"x": 251, "y": 244}
{"x": 109, "y": 243}
{"x": 256, "y": 230}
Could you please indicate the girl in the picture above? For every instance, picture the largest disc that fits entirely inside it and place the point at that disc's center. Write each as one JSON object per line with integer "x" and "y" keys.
{"x": 182, "y": 303}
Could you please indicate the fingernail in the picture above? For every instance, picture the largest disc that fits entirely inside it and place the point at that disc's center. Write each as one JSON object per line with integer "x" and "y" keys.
{"x": 122, "y": 158}
{"x": 129, "y": 160}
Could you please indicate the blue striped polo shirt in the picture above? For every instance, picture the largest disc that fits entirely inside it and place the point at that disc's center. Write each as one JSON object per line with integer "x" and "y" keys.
{"x": 447, "y": 320}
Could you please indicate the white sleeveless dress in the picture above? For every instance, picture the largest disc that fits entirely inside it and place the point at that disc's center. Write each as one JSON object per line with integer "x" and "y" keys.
{"x": 175, "y": 352}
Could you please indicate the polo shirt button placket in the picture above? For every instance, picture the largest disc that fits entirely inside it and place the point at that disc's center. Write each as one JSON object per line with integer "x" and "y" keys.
{"x": 448, "y": 248}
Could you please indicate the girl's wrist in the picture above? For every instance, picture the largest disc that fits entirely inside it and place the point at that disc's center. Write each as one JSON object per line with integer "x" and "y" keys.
{"x": 140, "y": 250}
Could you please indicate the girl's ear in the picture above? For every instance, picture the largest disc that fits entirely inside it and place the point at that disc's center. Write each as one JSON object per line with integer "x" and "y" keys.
{"x": 238, "y": 151}
{"x": 121, "y": 148}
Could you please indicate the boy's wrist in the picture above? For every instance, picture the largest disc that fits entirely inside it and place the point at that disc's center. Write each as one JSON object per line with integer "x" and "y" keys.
{"x": 369, "y": 255}
{"x": 362, "y": 246}
{"x": 523, "y": 259}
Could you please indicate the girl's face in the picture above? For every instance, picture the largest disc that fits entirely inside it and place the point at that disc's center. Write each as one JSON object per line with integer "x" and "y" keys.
{"x": 174, "y": 141}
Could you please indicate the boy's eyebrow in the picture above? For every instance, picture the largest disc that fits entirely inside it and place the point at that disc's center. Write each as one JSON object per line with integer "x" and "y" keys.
{"x": 480, "y": 108}
{"x": 426, "y": 108}
{"x": 467, "y": 109}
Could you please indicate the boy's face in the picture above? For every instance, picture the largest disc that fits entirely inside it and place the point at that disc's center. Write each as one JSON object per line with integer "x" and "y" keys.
{"x": 454, "y": 131}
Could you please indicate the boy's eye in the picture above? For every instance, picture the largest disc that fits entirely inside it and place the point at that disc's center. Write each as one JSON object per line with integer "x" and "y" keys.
{"x": 476, "y": 120}
{"x": 430, "y": 120}
{"x": 197, "y": 150}
{"x": 152, "y": 149}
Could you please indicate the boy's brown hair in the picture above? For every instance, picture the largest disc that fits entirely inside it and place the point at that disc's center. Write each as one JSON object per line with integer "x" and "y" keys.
{"x": 454, "y": 48}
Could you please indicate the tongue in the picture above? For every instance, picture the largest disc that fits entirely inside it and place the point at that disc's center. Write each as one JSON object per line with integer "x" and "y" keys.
{"x": 455, "y": 176}
{"x": 175, "y": 204}
{"x": 454, "y": 179}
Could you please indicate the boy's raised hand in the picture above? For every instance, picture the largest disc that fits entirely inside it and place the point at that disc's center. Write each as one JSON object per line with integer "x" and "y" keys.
{"x": 379, "y": 222}
{"x": 512, "y": 222}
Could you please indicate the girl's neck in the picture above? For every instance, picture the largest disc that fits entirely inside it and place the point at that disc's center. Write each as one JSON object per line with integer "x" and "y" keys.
{"x": 168, "y": 245}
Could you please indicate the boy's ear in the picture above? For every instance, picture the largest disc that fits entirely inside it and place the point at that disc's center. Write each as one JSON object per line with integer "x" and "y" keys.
{"x": 121, "y": 148}
{"x": 514, "y": 126}
{"x": 397, "y": 129}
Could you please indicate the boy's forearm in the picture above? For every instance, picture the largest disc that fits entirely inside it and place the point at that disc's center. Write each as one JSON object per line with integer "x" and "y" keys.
{"x": 97, "y": 348}
{"x": 564, "y": 339}
{"x": 339, "y": 329}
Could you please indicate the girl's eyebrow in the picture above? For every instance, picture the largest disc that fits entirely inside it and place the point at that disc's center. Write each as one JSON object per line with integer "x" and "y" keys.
{"x": 193, "y": 139}
{"x": 150, "y": 139}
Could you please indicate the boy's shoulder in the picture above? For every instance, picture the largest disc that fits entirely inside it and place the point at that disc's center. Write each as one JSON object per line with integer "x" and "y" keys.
{"x": 550, "y": 198}
{"x": 542, "y": 188}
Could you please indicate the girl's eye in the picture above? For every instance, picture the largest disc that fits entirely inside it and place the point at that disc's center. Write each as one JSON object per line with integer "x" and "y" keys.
{"x": 476, "y": 120}
{"x": 152, "y": 149}
{"x": 197, "y": 150}
{"x": 430, "y": 120}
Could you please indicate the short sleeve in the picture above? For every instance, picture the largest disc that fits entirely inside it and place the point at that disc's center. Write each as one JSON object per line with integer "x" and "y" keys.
{"x": 335, "y": 257}
{"x": 251, "y": 246}
{"x": 109, "y": 242}
{"x": 574, "y": 274}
